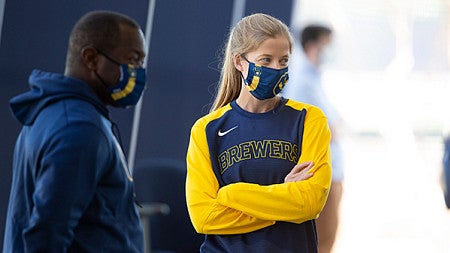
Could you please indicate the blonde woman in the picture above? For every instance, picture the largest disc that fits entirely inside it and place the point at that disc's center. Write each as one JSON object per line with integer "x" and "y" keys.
{"x": 258, "y": 164}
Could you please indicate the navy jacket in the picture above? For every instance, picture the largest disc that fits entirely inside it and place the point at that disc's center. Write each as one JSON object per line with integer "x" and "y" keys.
{"x": 446, "y": 171}
{"x": 71, "y": 188}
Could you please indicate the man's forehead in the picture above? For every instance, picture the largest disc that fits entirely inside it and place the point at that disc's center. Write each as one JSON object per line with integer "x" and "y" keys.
{"x": 132, "y": 39}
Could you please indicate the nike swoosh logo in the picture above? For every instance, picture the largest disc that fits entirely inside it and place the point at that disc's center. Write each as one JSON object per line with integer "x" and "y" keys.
{"x": 224, "y": 133}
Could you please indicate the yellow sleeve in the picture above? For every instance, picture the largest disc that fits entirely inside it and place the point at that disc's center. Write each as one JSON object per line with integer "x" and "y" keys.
{"x": 207, "y": 215}
{"x": 296, "y": 201}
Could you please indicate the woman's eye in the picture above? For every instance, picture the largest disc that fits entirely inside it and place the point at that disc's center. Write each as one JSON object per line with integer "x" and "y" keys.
{"x": 265, "y": 60}
{"x": 284, "y": 61}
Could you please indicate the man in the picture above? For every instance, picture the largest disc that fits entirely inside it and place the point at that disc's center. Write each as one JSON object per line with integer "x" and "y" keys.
{"x": 307, "y": 87}
{"x": 71, "y": 188}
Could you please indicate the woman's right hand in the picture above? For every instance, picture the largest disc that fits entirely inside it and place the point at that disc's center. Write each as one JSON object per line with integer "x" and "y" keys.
{"x": 299, "y": 172}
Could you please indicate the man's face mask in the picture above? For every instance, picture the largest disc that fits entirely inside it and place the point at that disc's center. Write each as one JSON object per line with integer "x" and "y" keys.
{"x": 264, "y": 82}
{"x": 327, "y": 55}
{"x": 128, "y": 90}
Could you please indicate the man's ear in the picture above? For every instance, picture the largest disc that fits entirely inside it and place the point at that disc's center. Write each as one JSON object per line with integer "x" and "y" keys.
{"x": 89, "y": 57}
{"x": 237, "y": 60}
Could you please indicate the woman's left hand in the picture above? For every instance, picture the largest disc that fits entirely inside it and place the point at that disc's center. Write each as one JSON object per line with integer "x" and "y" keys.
{"x": 299, "y": 172}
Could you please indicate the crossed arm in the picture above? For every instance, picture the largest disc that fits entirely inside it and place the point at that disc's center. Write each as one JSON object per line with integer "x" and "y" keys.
{"x": 245, "y": 207}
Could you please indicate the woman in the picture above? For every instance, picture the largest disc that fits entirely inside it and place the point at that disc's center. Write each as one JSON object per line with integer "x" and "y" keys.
{"x": 258, "y": 164}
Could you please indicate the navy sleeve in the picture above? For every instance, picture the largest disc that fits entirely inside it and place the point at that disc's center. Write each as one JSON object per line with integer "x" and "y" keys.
{"x": 446, "y": 172}
{"x": 71, "y": 164}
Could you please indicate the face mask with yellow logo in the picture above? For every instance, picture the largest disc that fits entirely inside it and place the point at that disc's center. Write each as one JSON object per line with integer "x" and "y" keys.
{"x": 264, "y": 82}
{"x": 128, "y": 90}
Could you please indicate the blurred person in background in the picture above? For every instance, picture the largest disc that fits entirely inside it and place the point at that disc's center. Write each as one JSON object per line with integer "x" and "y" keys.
{"x": 71, "y": 189}
{"x": 316, "y": 42}
{"x": 445, "y": 176}
{"x": 259, "y": 166}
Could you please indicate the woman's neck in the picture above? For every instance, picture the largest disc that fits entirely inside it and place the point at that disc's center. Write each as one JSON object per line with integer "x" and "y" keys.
{"x": 251, "y": 104}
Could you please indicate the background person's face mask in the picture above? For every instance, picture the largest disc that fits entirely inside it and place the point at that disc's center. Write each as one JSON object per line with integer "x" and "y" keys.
{"x": 264, "y": 82}
{"x": 128, "y": 90}
{"x": 327, "y": 55}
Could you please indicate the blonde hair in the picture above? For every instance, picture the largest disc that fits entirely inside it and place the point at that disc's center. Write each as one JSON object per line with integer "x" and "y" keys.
{"x": 247, "y": 35}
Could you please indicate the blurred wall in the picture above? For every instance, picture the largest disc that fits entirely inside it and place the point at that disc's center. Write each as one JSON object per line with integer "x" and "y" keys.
{"x": 183, "y": 66}
{"x": 184, "y": 69}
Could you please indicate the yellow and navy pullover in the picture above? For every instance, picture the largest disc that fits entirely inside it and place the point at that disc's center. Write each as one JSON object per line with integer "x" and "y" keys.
{"x": 235, "y": 189}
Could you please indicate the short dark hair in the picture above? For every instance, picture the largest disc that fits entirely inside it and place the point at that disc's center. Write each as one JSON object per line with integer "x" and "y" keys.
{"x": 101, "y": 29}
{"x": 312, "y": 33}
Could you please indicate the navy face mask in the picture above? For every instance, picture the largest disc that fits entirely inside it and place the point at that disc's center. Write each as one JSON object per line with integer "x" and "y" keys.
{"x": 128, "y": 90}
{"x": 264, "y": 82}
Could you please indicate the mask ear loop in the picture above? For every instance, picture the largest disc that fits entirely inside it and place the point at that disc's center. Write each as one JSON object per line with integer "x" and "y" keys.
{"x": 101, "y": 79}
{"x": 240, "y": 72}
{"x": 108, "y": 57}
{"x": 245, "y": 58}
{"x": 245, "y": 80}
{"x": 113, "y": 61}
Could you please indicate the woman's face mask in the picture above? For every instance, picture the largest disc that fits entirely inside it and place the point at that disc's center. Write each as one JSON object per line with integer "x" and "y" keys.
{"x": 264, "y": 82}
{"x": 128, "y": 90}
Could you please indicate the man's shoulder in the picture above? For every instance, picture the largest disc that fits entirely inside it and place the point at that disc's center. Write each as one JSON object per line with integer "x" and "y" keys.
{"x": 71, "y": 112}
